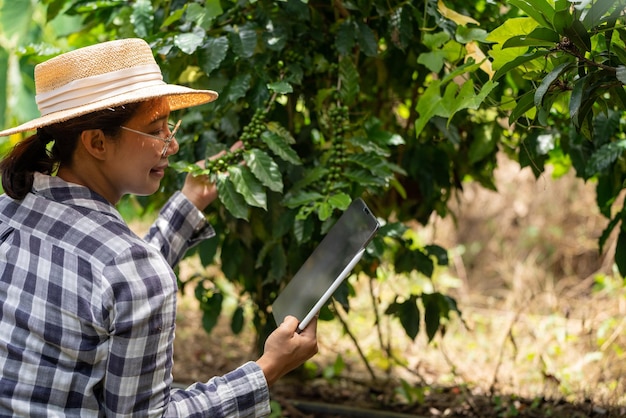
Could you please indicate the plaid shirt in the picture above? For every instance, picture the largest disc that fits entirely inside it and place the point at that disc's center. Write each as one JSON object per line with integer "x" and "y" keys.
{"x": 87, "y": 312}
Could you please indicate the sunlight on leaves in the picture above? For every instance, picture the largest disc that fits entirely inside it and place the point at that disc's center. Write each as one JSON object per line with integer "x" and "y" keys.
{"x": 454, "y": 16}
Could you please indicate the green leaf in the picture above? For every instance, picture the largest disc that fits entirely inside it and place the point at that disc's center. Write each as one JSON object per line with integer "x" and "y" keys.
{"x": 4, "y": 81}
{"x": 374, "y": 163}
{"x": 324, "y": 211}
{"x": 142, "y": 18}
{"x": 464, "y": 34}
{"x": 303, "y": 225}
{"x": 369, "y": 144}
{"x": 435, "y": 40}
{"x": 280, "y": 87}
{"x": 340, "y": 201}
{"x": 238, "y": 87}
{"x": 278, "y": 129}
{"x": 542, "y": 37}
{"x": 54, "y": 7}
{"x": 606, "y": 155}
{"x": 173, "y": 18}
{"x": 264, "y": 169}
{"x": 367, "y": 40}
{"x": 422, "y": 263}
{"x": 364, "y": 178}
{"x": 562, "y": 19}
{"x": 620, "y": 253}
{"x": 548, "y": 80}
{"x": 311, "y": 176}
{"x": 188, "y": 42}
{"x": 539, "y": 10}
{"x": 621, "y": 73}
{"x": 334, "y": 370}
{"x": 576, "y": 99}
{"x": 406, "y": 260}
{"x": 203, "y": 16}
{"x": 87, "y": 6}
{"x": 230, "y": 198}
{"x": 349, "y": 79}
{"x": 440, "y": 254}
{"x": 598, "y": 9}
{"x": 606, "y": 189}
{"x": 212, "y": 53}
{"x": 194, "y": 12}
{"x": 467, "y": 99}
{"x": 432, "y": 60}
{"x": 211, "y": 307}
{"x": 402, "y": 24}
{"x": 460, "y": 70}
{"x": 278, "y": 264}
{"x": 377, "y": 134}
{"x": 262, "y": 254}
{"x": 428, "y": 105}
{"x": 483, "y": 145}
{"x": 531, "y": 154}
{"x": 409, "y": 315}
{"x": 243, "y": 41}
{"x": 522, "y": 59}
{"x": 185, "y": 167}
{"x": 301, "y": 199}
{"x": 236, "y": 323}
{"x": 346, "y": 36}
{"x": 207, "y": 250}
{"x": 248, "y": 186}
{"x": 280, "y": 147}
{"x": 578, "y": 35}
{"x": 607, "y": 232}
{"x": 510, "y": 28}
{"x": 432, "y": 314}
{"x": 606, "y": 126}
{"x": 213, "y": 9}
{"x": 524, "y": 104}
{"x": 294, "y": 73}
{"x": 283, "y": 223}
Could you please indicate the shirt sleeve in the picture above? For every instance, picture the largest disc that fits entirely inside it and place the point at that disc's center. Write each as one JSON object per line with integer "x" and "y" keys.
{"x": 240, "y": 393}
{"x": 140, "y": 302}
{"x": 179, "y": 226}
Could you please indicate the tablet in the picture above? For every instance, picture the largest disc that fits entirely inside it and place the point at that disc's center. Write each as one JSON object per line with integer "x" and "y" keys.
{"x": 329, "y": 264}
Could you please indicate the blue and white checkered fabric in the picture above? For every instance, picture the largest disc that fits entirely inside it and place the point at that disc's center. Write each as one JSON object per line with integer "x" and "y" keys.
{"x": 87, "y": 312}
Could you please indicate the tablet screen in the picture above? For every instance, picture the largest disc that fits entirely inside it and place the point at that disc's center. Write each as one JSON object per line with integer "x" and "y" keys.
{"x": 321, "y": 271}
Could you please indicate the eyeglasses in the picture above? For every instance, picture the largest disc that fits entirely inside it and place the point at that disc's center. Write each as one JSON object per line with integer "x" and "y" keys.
{"x": 167, "y": 141}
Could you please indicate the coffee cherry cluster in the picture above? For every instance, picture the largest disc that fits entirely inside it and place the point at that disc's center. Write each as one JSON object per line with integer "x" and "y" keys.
{"x": 293, "y": 56}
{"x": 250, "y": 138}
{"x": 339, "y": 124}
{"x": 222, "y": 163}
{"x": 252, "y": 131}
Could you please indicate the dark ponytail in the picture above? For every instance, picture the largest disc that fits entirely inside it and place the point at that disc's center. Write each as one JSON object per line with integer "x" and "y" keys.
{"x": 28, "y": 156}
{"x": 32, "y": 155}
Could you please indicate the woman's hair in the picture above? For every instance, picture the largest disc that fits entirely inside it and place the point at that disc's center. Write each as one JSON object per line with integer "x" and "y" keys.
{"x": 30, "y": 155}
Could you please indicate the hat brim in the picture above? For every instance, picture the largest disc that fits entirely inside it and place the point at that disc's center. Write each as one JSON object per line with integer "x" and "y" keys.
{"x": 179, "y": 97}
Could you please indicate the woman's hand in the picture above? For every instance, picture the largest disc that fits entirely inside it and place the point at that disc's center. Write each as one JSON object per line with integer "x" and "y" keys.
{"x": 285, "y": 349}
{"x": 199, "y": 189}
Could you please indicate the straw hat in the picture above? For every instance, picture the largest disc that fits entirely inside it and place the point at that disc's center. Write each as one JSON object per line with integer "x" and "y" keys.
{"x": 100, "y": 76}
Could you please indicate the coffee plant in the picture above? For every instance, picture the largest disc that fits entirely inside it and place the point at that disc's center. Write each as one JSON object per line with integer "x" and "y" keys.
{"x": 399, "y": 102}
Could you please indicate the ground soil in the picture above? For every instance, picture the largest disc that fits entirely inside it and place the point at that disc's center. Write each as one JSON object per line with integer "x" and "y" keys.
{"x": 199, "y": 355}
{"x": 524, "y": 263}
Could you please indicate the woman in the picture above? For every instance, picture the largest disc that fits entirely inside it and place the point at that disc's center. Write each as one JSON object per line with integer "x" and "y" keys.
{"x": 87, "y": 309}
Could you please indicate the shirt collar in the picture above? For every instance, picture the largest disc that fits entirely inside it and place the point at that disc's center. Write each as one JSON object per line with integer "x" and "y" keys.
{"x": 59, "y": 190}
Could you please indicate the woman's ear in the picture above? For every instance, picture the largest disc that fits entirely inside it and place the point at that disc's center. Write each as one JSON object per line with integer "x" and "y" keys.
{"x": 95, "y": 143}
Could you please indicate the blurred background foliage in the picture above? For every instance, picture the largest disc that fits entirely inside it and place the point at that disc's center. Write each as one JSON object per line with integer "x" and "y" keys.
{"x": 399, "y": 102}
